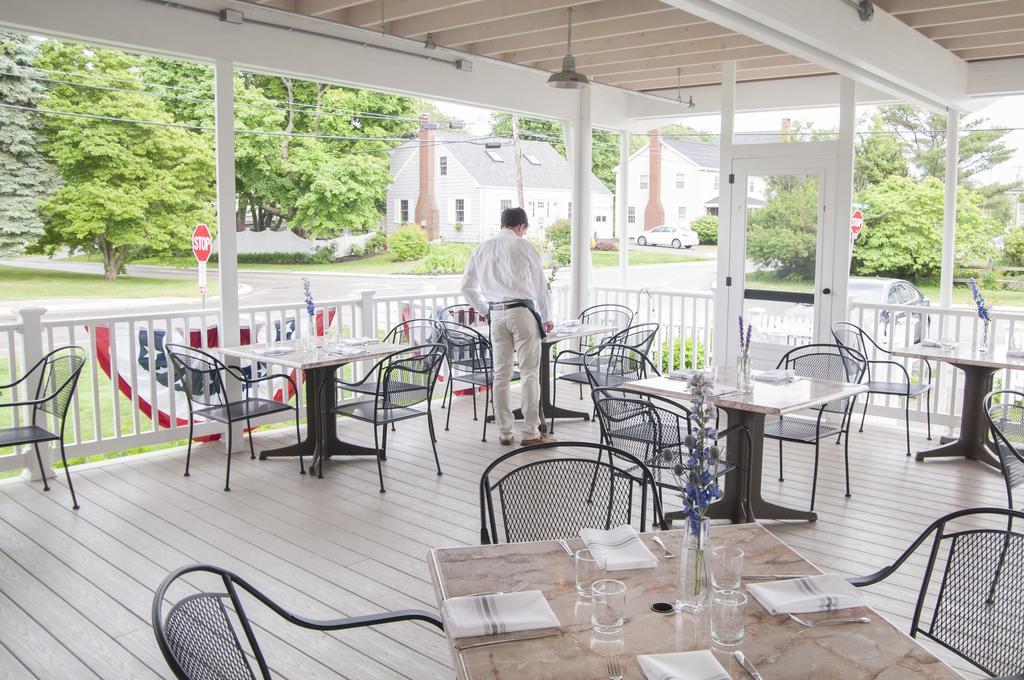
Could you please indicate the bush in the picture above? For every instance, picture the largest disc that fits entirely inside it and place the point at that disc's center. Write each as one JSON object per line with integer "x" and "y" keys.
{"x": 445, "y": 258}
{"x": 322, "y": 255}
{"x": 356, "y": 251}
{"x": 606, "y": 245}
{"x": 409, "y": 243}
{"x": 559, "y": 238}
{"x": 679, "y": 358}
{"x": 377, "y": 243}
{"x": 1013, "y": 246}
{"x": 458, "y": 227}
{"x": 270, "y": 258}
{"x": 706, "y": 227}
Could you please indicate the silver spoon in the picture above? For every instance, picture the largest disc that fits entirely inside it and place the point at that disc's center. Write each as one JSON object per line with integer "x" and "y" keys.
{"x": 812, "y": 624}
{"x": 669, "y": 555}
{"x": 565, "y": 546}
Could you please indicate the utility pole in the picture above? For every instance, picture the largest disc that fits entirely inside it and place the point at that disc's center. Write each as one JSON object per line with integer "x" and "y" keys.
{"x": 518, "y": 156}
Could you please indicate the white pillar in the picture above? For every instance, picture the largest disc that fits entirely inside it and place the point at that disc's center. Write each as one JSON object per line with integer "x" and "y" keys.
{"x": 729, "y": 291}
{"x": 949, "y": 208}
{"x": 836, "y": 277}
{"x": 32, "y": 339}
{"x": 581, "y": 218}
{"x": 622, "y": 207}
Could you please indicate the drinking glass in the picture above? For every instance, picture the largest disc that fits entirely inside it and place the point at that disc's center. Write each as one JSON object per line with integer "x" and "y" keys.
{"x": 609, "y": 600}
{"x": 726, "y": 568}
{"x": 589, "y": 568}
{"x": 728, "y": 616}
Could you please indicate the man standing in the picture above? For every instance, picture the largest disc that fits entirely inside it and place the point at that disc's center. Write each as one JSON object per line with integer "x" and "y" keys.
{"x": 504, "y": 280}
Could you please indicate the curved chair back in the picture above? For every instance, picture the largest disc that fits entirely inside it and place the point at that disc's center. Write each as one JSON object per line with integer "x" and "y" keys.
{"x": 976, "y": 607}
{"x": 827, "y": 362}
{"x": 850, "y": 335}
{"x": 200, "y": 373}
{"x": 1005, "y": 412}
{"x": 642, "y": 425}
{"x": 549, "y": 491}
{"x": 415, "y": 332}
{"x": 467, "y": 348}
{"x": 611, "y": 365}
{"x": 607, "y": 314}
{"x": 639, "y": 336}
{"x": 461, "y": 314}
{"x": 407, "y": 377}
{"x": 58, "y": 378}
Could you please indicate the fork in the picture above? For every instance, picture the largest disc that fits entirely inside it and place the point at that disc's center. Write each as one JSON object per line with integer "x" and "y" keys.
{"x": 843, "y": 619}
{"x": 514, "y": 589}
{"x": 669, "y": 555}
{"x": 614, "y": 670}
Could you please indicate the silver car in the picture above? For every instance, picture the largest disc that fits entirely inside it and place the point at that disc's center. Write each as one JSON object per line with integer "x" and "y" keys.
{"x": 880, "y": 291}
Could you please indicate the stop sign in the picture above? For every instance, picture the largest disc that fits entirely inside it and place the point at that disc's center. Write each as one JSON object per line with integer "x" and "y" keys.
{"x": 856, "y": 223}
{"x": 202, "y": 243}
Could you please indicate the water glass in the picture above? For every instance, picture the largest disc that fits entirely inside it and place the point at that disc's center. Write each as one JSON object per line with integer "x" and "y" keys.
{"x": 728, "y": 616}
{"x": 589, "y": 568}
{"x": 609, "y": 601}
{"x": 726, "y": 568}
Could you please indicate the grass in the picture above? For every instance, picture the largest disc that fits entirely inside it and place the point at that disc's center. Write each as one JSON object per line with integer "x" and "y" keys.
{"x": 604, "y": 258}
{"x": 22, "y": 283}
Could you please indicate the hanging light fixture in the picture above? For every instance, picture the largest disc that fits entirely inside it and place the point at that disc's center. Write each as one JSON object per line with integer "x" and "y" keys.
{"x": 568, "y": 78}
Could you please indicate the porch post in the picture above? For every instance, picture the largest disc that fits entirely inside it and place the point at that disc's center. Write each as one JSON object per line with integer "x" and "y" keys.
{"x": 581, "y": 220}
{"x": 949, "y": 207}
{"x": 843, "y": 249}
{"x": 622, "y": 207}
{"x": 32, "y": 347}
{"x": 724, "y": 353}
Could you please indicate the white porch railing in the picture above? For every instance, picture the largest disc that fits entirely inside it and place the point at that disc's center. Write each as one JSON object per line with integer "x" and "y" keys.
{"x": 125, "y": 398}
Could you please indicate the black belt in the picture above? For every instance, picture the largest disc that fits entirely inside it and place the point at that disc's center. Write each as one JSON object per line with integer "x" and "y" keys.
{"x": 514, "y": 304}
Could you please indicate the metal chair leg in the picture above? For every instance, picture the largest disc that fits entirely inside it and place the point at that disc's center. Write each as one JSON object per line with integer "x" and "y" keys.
{"x": 814, "y": 481}
{"x": 433, "y": 441}
{"x": 67, "y": 471}
{"x": 252, "y": 450}
{"x": 448, "y": 418}
{"x": 380, "y": 453}
{"x": 781, "y": 478}
{"x": 42, "y": 471}
{"x": 298, "y": 442}
{"x": 188, "y": 454}
{"x": 928, "y": 414}
{"x": 384, "y": 443}
{"x": 906, "y": 418}
{"x": 554, "y": 401}
{"x": 864, "y": 414}
{"x": 487, "y": 402}
{"x": 474, "y": 403}
{"x": 846, "y": 460}
{"x": 227, "y": 476}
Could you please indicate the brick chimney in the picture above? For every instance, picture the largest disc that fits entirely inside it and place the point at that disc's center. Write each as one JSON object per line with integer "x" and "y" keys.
{"x": 654, "y": 213}
{"x": 427, "y": 214}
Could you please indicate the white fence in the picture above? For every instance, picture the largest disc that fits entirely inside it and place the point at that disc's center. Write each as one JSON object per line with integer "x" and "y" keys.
{"x": 126, "y": 397}
{"x": 287, "y": 241}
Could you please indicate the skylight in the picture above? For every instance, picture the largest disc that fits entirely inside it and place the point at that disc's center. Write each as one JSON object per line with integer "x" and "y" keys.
{"x": 531, "y": 159}
{"x": 494, "y": 156}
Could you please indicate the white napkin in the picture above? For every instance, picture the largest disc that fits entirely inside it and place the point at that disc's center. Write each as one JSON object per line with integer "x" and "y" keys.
{"x": 941, "y": 344}
{"x": 621, "y": 548}
{"x": 681, "y": 373}
{"x": 777, "y": 376}
{"x": 272, "y": 351}
{"x": 1015, "y": 354}
{"x": 354, "y": 342}
{"x": 496, "y": 614}
{"x": 700, "y": 665}
{"x": 346, "y": 351}
{"x": 801, "y": 595}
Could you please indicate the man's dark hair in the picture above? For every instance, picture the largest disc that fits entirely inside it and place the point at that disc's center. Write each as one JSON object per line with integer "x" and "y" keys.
{"x": 513, "y": 217}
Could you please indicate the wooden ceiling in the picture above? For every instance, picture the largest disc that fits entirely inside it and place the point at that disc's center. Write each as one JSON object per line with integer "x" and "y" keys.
{"x": 644, "y": 44}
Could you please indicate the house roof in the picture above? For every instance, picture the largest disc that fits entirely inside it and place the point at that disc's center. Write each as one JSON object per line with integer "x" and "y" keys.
{"x": 752, "y": 202}
{"x": 551, "y": 172}
{"x": 704, "y": 154}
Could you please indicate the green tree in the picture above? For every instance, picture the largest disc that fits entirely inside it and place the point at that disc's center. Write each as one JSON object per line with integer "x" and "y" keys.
{"x": 26, "y": 177}
{"x": 782, "y": 236}
{"x": 129, "y": 189}
{"x": 903, "y": 229}
{"x": 878, "y": 155}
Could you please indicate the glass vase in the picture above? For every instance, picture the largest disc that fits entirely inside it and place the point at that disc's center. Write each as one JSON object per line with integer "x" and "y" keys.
{"x": 694, "y": 589}
{"x": 744, "y": 379}
{"x": 309, "y": 341}
{"x": 985, "y": 328}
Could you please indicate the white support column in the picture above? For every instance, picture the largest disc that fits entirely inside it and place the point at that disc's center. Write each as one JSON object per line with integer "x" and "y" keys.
{"x": 32, "y": 340}
{"x": 622, "y": 207}
{"x": 729, "y": 289}
{"x": 227, "y": 264}
{"x": 836, "y": 277}
{"x": 949, "y": 208}
{"x": 581, "y": 218}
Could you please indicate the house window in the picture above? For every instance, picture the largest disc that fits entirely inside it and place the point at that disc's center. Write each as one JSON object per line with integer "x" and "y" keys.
{"x": 750, "y": 188}
{"x": 713, "y": 210}
{"x": 505, "y": 204}
{"x": 631, "y": 215}
{"x": 533, "y": 212}
{"x": 716, "y": 182}
{"x": 680, "y": 181}
{"x": 601, "y": 218}
{"x": 403, "y": 211}
{"x": 682, "y": 212}
{"x": 460, "y": 210}
{"x": 570, "y": 210}
{"x": 443, "y": 160}
{"x": 643, "y": 181}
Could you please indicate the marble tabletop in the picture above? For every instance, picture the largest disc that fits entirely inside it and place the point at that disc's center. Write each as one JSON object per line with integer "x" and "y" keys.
{"x": 778, "y": 647}
{"x": 322, "y": 356}
{"x": 962, "y": 353}
{"x": 768, "y": 398}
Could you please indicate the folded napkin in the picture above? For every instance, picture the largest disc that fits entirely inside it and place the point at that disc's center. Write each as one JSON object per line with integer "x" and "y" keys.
{"x": 681, "y": 374}
{"x": 354, "y": 342}
{"x": 621, "y": 548}
{"x": 700, "y": 665}
{"x": 777, "y": 376}
{"x": 496, "y": 614}
{"x": 272, "y": 351}
{"x": 941, "y": 344}
{"x": 801, "y": 595}
{"x": 346, "y": 351}
{"x": 1015, "y": 354}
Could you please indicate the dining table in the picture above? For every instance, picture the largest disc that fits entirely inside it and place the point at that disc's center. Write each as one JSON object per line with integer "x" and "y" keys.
{"x": 742, "y": 500}
{"x": 777, "y": 646}
{"x": 978, "y": 368}
{"x": 316, "y": 365}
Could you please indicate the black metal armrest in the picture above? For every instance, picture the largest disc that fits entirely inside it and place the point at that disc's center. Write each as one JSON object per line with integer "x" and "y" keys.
{"x": 568, "y": 351}
{"x": 272, "y": 376}
{"x": 871, "y": 579}
{"x": 370, "y": 620}
{"x": 887, "y": 362}
{"x": 31, "y": 402}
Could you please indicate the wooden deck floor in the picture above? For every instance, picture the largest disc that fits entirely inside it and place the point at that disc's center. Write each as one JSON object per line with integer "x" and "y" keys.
{"x": 76, "y": 587}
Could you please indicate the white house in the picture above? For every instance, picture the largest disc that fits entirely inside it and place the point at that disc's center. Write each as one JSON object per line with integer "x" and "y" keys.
{"x": 466, "y": 182}
{"x": 684, "y": 181}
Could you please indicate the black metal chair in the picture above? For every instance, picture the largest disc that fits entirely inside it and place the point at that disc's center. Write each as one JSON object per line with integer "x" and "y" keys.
{"x": 548, "y": 491}
{"x": 619, "y": 316}
{"x": 978, "y": 608}
{"x": 410, "y": 332}
{"x": 462, "y": 314}
{"x": 58, "y": 376}
{"x": 852, "y": 336}
{"x": 822, "y": 362}
{"x": 201, "y": 635}
{"x": 405, "y": 379}
{"x": 1005, "y": 412}
{"x": 470, "y": 361}
{"x": 202, "y": 378}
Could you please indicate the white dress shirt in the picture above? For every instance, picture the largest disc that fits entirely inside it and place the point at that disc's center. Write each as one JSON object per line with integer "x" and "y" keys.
{"x": 506, "y": 267}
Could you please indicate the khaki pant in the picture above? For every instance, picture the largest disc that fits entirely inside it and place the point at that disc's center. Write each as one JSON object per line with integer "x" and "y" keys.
{"x": 516, "y": 329}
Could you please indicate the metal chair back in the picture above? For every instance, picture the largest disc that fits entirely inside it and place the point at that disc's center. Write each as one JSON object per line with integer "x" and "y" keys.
{"x": 607, "y": 314}
{"x": 639, "y": 336}
{"x": 415, "y": 332}
{"x": 850, "y": 335}
{"x": 642, "y": 425}
{"x": 461, "y": 314}
{"x": 827, "y": 362}
{"x": 550, "y": 491}
{"x": 408, "y": 377}
{"x": 200, "y": 374}
{"x": 467, "y": 348}
{"x": 60, "y": 370}
{"x": 610, "y": 365}
{"x": 976, "y": 607}
{"x": 1005, "y": 412}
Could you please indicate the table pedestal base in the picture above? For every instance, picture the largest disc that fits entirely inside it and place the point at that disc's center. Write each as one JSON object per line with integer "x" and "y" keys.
{"x": 971, "y": 441}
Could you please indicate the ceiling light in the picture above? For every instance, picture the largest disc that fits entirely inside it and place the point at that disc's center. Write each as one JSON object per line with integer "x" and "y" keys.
{"x": 568, "y": 78}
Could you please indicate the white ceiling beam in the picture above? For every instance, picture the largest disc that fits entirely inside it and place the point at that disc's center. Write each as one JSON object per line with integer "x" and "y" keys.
{"x": 749, "y": 74}
{"x": 468, "y": 14}
{"x": 898, "y": 7}
{"x": 884, "y": 52}
{"x": 998, "y": 77}
{"x": 1001, "y": 52}
{"x": 690, "y": 61}
{"x": 966, "y": 28}
{"x": 703, "y": 45}
{"x": 939, "y": 17}
{"x": 288, "y": 5}
{"x": 987, "y": 40}
{"x": 637, "y": 72}
{"x": 368, "y": 13}
{"x": 320, "y": 7}
{"x": 646, "y": 37}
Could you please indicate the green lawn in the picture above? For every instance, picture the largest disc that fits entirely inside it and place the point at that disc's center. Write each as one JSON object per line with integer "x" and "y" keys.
{"x": 21, "y": 283}
{"x": 640, "y": 258}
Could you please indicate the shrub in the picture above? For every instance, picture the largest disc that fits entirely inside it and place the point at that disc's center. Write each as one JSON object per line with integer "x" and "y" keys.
{"x": 377, "y": 243}
{"x": 679, "y": 358}
{"x": 356, "y": 251}
{"x": 706, "y": 227}
{"x": 559, "y": 238}
{"x": 322, "y": 255}
{"x": 409, "y": 243}
{"x": 444, "y": 258}
{"x": 458, "y": 227}
{"x": 606, "y": 245}
{"x": 1013, "y": 246}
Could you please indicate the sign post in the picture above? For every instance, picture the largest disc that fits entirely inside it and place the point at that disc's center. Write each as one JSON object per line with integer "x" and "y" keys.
{"x": 202, "y": 248}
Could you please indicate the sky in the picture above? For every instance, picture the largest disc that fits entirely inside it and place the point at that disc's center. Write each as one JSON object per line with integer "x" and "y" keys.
{"x": 1005, "y": 112}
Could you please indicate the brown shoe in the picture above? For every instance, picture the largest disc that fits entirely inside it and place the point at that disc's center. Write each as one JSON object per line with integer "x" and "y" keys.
{"x": 544, "y": 438}
{"x": 506, "y": 439}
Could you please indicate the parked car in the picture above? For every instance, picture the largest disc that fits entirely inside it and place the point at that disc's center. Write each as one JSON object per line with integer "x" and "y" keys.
{"x": 879, "y": 291}
{"x": 677, "y": 237}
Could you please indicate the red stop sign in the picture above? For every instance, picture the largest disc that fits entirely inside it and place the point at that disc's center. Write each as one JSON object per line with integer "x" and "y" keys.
{"x": 202, "y": 243}
{"x": 856, "y": 222}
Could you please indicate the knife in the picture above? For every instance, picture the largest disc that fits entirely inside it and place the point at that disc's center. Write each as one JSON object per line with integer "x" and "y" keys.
{"x": 747, "y": 666}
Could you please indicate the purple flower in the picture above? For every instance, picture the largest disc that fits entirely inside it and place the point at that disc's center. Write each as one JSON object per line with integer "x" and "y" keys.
{"x": 310, "y": 307}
